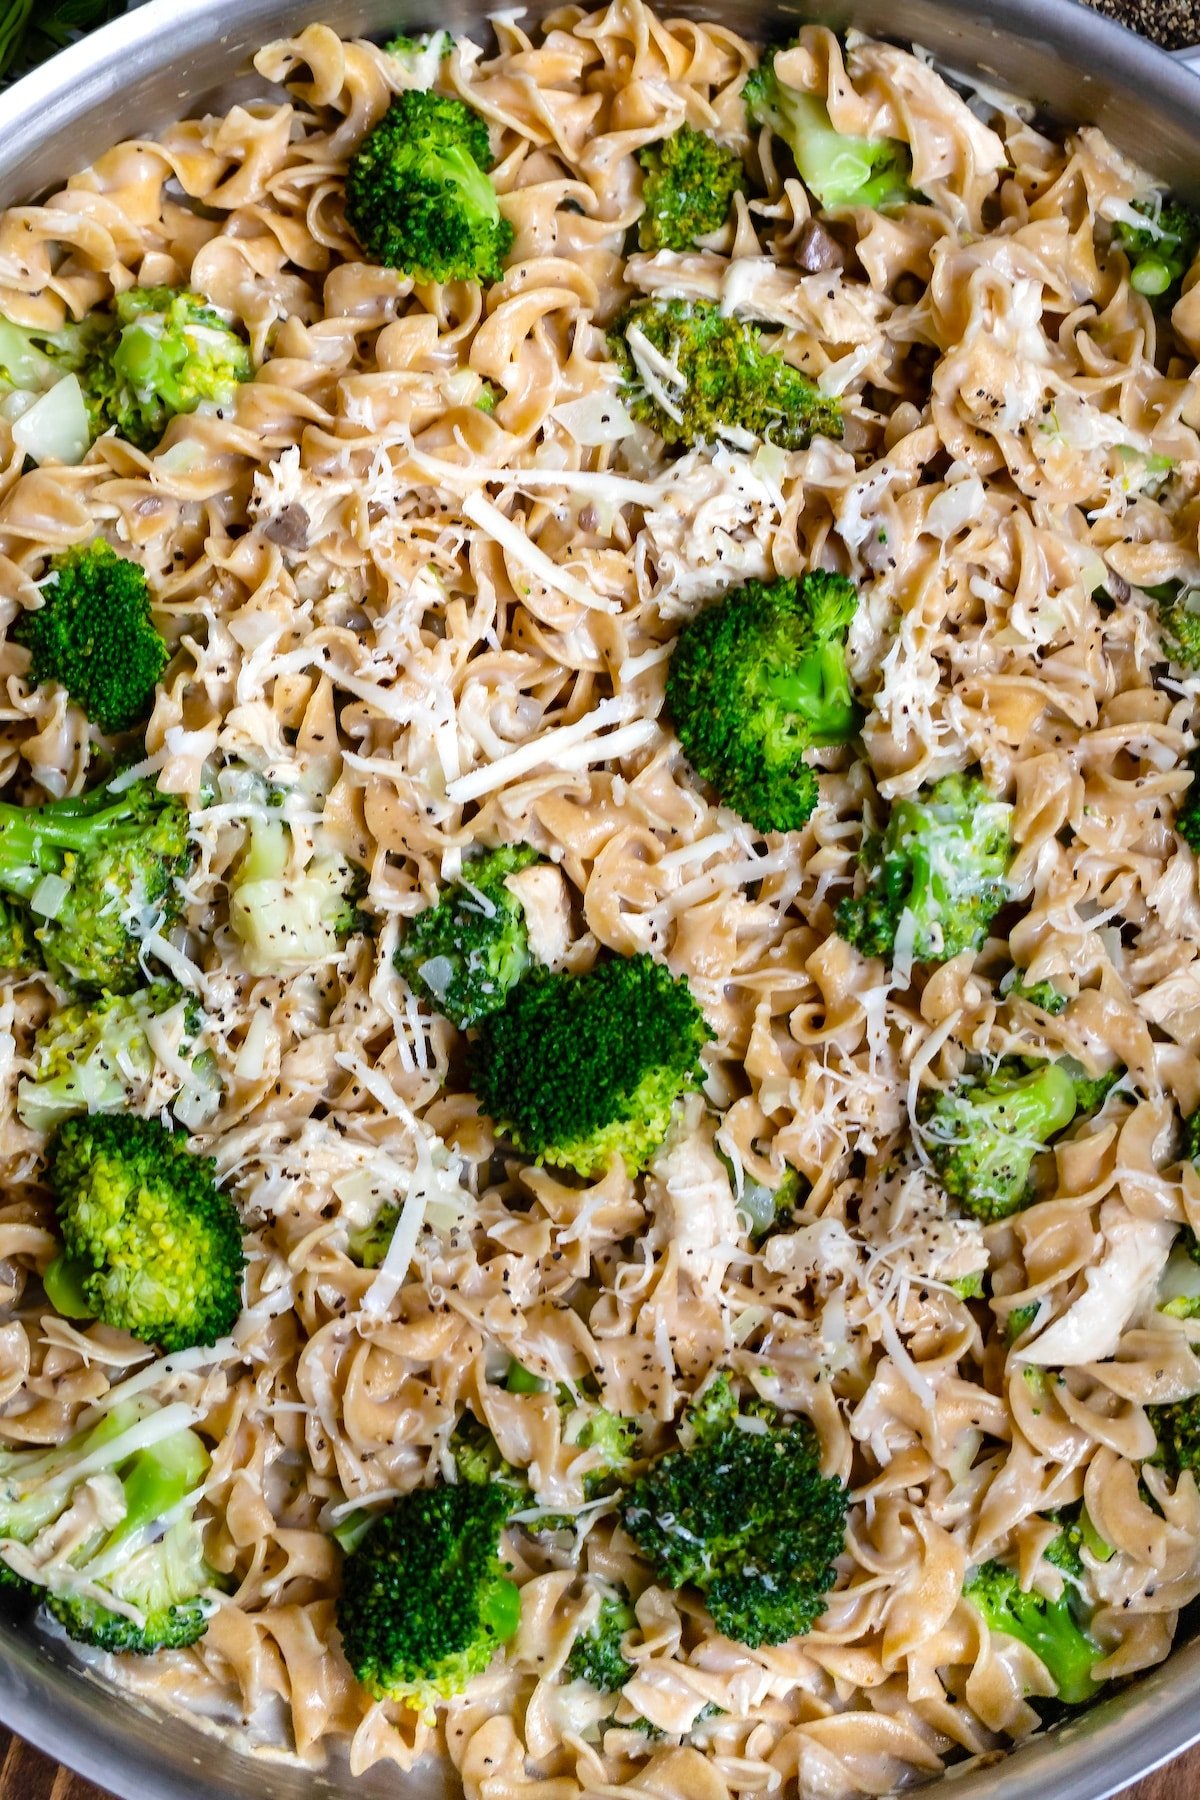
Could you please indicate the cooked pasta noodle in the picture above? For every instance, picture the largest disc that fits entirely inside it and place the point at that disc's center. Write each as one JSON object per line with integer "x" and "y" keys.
{"x": 436, "y": 626}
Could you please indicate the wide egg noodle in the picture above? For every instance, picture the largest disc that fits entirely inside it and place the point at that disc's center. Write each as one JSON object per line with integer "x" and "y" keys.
{"x": 385, "y": 596}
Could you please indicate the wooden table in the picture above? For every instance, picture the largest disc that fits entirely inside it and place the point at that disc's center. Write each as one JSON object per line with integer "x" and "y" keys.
{"x": 26, "y": 1774}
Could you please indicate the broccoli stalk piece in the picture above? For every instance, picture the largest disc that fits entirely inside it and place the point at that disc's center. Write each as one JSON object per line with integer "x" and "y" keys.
{"x": 99, "y": 873}
{"x": 425, "y": 1602}
{"x": 1065, "y": 1552}
{"x": 93, "y": 635}
{"x": 754, "y": 681}
{"x": 99, "y": 1056}
{"x": 1161, "y": 251}
{"x": 35, "y": 358}
{"x": 167, "y": 352}
{"x": 150, "y": 1244}
{"x": 695, "y": 375}
{"x": 477, "y": 1456}
{"x": 1019, "y": 1320}
{"x": 284, "y": 921}
{"x": 579, "y": 1069}
{"x": 465, "y": 953}
{"x": 596, "y": 1656}
{"x": 747, "y": 1517}
{"x": 1047, "y": 1627}
{"x": 983, "y": 1134}
{"x": 150, "y": 1563}
{"x": 417, "y": 193}
{"x": 688, "y": 185}
{"x": 935, "y": 877}
{"x": 839, "y": 170}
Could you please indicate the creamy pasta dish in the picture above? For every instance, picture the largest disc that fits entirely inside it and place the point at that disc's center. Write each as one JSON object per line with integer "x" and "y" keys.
{"x": 599, "y": 929}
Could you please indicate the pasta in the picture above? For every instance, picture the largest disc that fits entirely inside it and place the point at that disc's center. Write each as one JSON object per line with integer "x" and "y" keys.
{"x": 435, "y": 626}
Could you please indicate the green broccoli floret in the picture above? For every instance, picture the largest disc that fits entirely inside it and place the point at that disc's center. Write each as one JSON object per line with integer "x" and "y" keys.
{"x": 1042, "y": 994}
{"x": 150, "y": 1244}
{"x": 421, "y": 55}
{"x": 754, "y": 681}
{"x": 167, "y": 352}
{"x": 837, "y": 169}
{"x": 1091, "y": 1091}
{"x": 688, "y": 184}
{"x": 1187, "y": 813}
{"x": 935, "y": 877}
{"x": 1176, "y": 1425}
{"x": 695, "y": 374}
{"x": 1162, "y": 250}
{"x": 465, "y": 953}
{"x": 746, "y": 1516}
{"x": 152, "y": 1560}
{"x": 105, "y": 1054}
{"x": 983, "y": 1134}
{"x": 477, "y": 1456}
{"x": 20, "y": 952}
{"x": 368, "y": 1245}
{"x": 765, "y": 1207}
{"x": 417, "y": 193}
{"x": 93, "y": 634}
{"x": 425, "y": 1602}
{"x": 286, "y": 919}
{"x": 1065, "y": 1552}
{"x": 98, "y": 872}
{"x": 611, "y": 1439}
{"x": 596, "y": 1653}
{"x": 1047, "y": 1627}
{"x": 1019, "y": 1321}
{"x": 579, "y": 1069}
{"x": 1177, "y": 607}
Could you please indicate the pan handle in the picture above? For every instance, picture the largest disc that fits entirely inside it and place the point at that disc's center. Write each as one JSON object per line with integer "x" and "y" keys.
{"x": 1190, "y": 57}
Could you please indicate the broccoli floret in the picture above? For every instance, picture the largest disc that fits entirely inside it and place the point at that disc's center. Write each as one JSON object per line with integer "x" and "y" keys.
{"x": 98, "y": 1056}
{"x": 1019, "y": 1321}
{"x": 1091, "y": 1091}
{"x": 157, "y": 1568}
{"x": 477, "y": 1456}
{"x": 417, "y": 193}
{"x": 465, "y": 953}
{"x": 150, "y": 1244}
{"x": 1177, "y": 607}
{"x": 93, "y": 634}
{"x": 596, "y": 1653}
{"x": 579, "y": 1069}
{"x": 1047, "y": 1627}
{"x": 1065, "y": 1552}
{"x": 694, "y": 374}
{"x": 1187, "y": 813}
{"x": 611, "y": 1439}
{"x": 1042, "y": 994}
{"x": 286, "y": 920}
{"x": 935, "y": 877}
{"x": 837, "y": 169}
{"x": 983, "y": 1134}
{"x": 688, "y": 184}
{"x": 421, "y": 55}
{"x": 369, "y": 1245}
{"x": 1162, "y": 250}
{"x": 1176, "y": 1425}
{"x": 766, "y": 1207}
{"x": 425, "y": 1602}
{"x": 20, "y": 952}
{"x": 745, "y": 1516}
{"x": 754, "y": 681}
{"x": 167, "y": 352}
{"x": 98, "y": 872}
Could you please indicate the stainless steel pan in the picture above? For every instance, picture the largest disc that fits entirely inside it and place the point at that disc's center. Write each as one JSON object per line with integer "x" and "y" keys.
{"x": 169, "y": 60}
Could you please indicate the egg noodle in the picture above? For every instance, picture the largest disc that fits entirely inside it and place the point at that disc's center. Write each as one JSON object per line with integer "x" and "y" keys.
{"x": 432, "y": 626}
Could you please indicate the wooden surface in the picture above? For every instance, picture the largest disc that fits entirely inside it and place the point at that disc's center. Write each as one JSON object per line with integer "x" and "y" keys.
{"x": 26, "y": 1774}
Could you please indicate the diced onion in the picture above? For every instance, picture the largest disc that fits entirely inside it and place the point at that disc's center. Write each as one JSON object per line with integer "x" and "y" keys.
{"x": 48, "y": 896}
{"x": 55, "y": 428}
